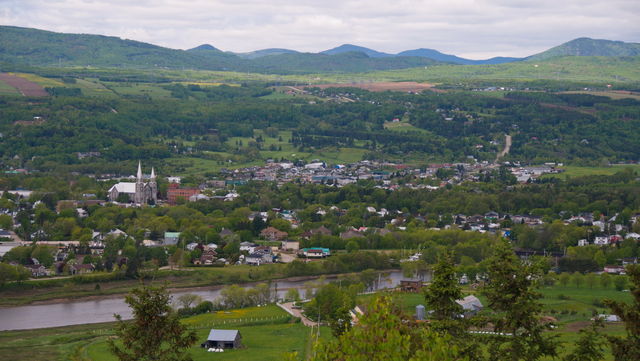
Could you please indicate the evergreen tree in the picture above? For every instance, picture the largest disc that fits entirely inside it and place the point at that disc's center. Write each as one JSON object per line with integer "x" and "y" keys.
{"x": 628, "y": 348}
{"x": 445, "y": 313}
{"x": 510, "y": 293}
{"x": 441, "y": 295}
{"x": 384, "y": 333}
{"x": 155, "y": 333}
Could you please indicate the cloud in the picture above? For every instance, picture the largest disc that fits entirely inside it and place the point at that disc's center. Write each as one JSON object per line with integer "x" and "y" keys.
{"x": 472, "y": 28}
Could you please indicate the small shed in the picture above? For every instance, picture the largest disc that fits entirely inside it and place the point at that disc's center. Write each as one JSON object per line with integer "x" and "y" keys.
{"x": 410, "y": 286}
{"x": 223, "y": 339}
{"x": 470, "y": 305}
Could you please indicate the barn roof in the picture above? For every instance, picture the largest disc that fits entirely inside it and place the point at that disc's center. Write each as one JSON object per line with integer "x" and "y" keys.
{"x": 222, "y": 335}
{"x": 470, "y": 303}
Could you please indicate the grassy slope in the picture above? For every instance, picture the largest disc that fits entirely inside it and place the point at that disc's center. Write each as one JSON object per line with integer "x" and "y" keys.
{"x": 573, "y": 310}
{"x": 267, "y": 334}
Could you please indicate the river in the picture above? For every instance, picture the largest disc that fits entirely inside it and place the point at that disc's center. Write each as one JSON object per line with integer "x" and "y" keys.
{"x": 102, "y": 310}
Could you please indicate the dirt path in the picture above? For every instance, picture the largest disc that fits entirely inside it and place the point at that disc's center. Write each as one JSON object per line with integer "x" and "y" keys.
{"x": 507, "y": 148}
{"x": 288, "y": 307}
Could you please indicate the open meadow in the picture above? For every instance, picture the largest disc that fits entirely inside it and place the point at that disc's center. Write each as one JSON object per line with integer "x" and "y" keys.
{"x": 268, "y": 333}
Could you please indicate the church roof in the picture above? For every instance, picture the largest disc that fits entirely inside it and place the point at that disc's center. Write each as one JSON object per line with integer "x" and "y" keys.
{"x": 124, "y": 187}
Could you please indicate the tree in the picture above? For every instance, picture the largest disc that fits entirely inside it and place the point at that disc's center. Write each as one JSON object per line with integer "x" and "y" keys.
{"x": 590, "y": 279}
{"x": 605, "y": 280}
{"x": 155, "y": 333}
{"x": 511, "y": 296}
{"x": 352, "y": 246}
{"x": 189, "y": 299}
{"x": 292, "y": 295}
{"x": 620, "y": 282}
{"x": 628, "y": 348}
{"x": 577, "y": 279}
{"x": 564, "y": 279}
{"x": 441, "y": 295}
{"x": 590, "y": 345}
{"x": 384, "y": 334}
{"x": 332, "y": 304}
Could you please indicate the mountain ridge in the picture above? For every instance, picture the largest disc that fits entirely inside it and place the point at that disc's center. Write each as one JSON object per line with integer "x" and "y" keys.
{"x": 34, "y": 47}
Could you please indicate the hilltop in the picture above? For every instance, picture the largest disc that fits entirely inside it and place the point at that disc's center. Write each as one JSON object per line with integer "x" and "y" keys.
{"x": 590, "y": 47}
{"x": 33, "y": 47}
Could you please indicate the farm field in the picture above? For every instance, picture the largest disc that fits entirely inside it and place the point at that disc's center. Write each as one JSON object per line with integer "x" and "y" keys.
{"x": 24, "y": 83}
{"x": 576, "y": 171}
{"x": 611, "y": 94}
{"x": 402, "y": 86}
{"x": 6, "y": 89}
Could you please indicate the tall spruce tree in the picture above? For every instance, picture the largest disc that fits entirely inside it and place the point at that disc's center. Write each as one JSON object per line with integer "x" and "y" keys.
{"x": 155, "y": 333}
{"x": 445, "y": 313}
{"x": 628, "y": 348}
{"x": 441, "y": 295}
{"x": 511, "y": 296}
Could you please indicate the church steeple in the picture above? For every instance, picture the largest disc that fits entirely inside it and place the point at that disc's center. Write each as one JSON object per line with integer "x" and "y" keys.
{"x": 153, "y": 173}
{"x": 139, "y": 171}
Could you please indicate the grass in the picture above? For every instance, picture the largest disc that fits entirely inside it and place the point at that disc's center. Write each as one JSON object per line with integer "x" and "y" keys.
{"x": 185, "y": 166}
{"x": 576, "y": 171}
{"x": 6, "y": 89}
{"x": 267, "y": 334}
{"x": 138, "y": 89}
{"x": 42, "y": 81}
{"x": 571, "y": 306}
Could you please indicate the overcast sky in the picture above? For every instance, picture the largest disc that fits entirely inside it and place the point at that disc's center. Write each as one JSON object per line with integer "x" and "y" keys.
{"x": 469, "y": 28}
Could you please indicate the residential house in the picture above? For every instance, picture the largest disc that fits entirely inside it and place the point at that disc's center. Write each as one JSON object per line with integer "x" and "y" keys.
{"x": 273, "y": 234}
{"x": 37, "y": 270}
{"x": 351, "y": 233}
{"x": 171, "y": 238}
{"x": 601, "y": 241}
{"x": 614, "y": 269}
{"x": 290, "y": 245}
{"x": 81, "y": 268}
{"x": 207, "y": 258}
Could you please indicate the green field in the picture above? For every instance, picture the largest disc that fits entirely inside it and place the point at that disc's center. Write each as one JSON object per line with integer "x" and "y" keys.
{"x": 577, "y": 171}
{"x": 267, "y": 334}
{"x": 6, "y": 89}
{"x": 571, "y": 306}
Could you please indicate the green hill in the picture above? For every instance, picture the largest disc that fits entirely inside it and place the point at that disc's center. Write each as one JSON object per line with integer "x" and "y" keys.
{"x": 589, "y": 47}
{"x": 45, "y": 48}
{"x": 34, "y": 47}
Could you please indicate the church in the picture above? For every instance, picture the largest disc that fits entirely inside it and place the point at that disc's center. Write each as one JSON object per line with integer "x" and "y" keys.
{"x": 138, "y": 192}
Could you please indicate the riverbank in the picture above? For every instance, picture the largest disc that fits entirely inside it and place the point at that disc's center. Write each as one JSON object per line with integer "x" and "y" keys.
{"x": 69, "y": 291}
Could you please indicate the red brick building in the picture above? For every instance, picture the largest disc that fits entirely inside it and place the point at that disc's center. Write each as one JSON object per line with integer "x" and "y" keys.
{"x": 174, "y": 192}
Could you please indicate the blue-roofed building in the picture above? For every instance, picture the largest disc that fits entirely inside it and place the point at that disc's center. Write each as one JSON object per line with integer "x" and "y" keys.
{"x": 223, "y": 339}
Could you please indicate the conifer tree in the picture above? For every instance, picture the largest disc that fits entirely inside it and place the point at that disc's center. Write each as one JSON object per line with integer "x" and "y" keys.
{"x": 511, "y": 296}
{"x": 155, "y": 333}
{"x": 628, "y": 348}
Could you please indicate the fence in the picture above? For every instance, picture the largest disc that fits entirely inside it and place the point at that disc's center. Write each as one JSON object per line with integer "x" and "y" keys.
{"x": 242, "y": 322}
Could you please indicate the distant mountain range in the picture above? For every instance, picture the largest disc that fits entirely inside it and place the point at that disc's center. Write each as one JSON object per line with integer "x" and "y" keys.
{"x": 26, "y": 46}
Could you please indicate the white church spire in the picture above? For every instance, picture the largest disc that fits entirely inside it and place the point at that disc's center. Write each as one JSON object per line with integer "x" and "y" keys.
{"x": 153, "y": 173}
{"x": 139, "y": 171}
